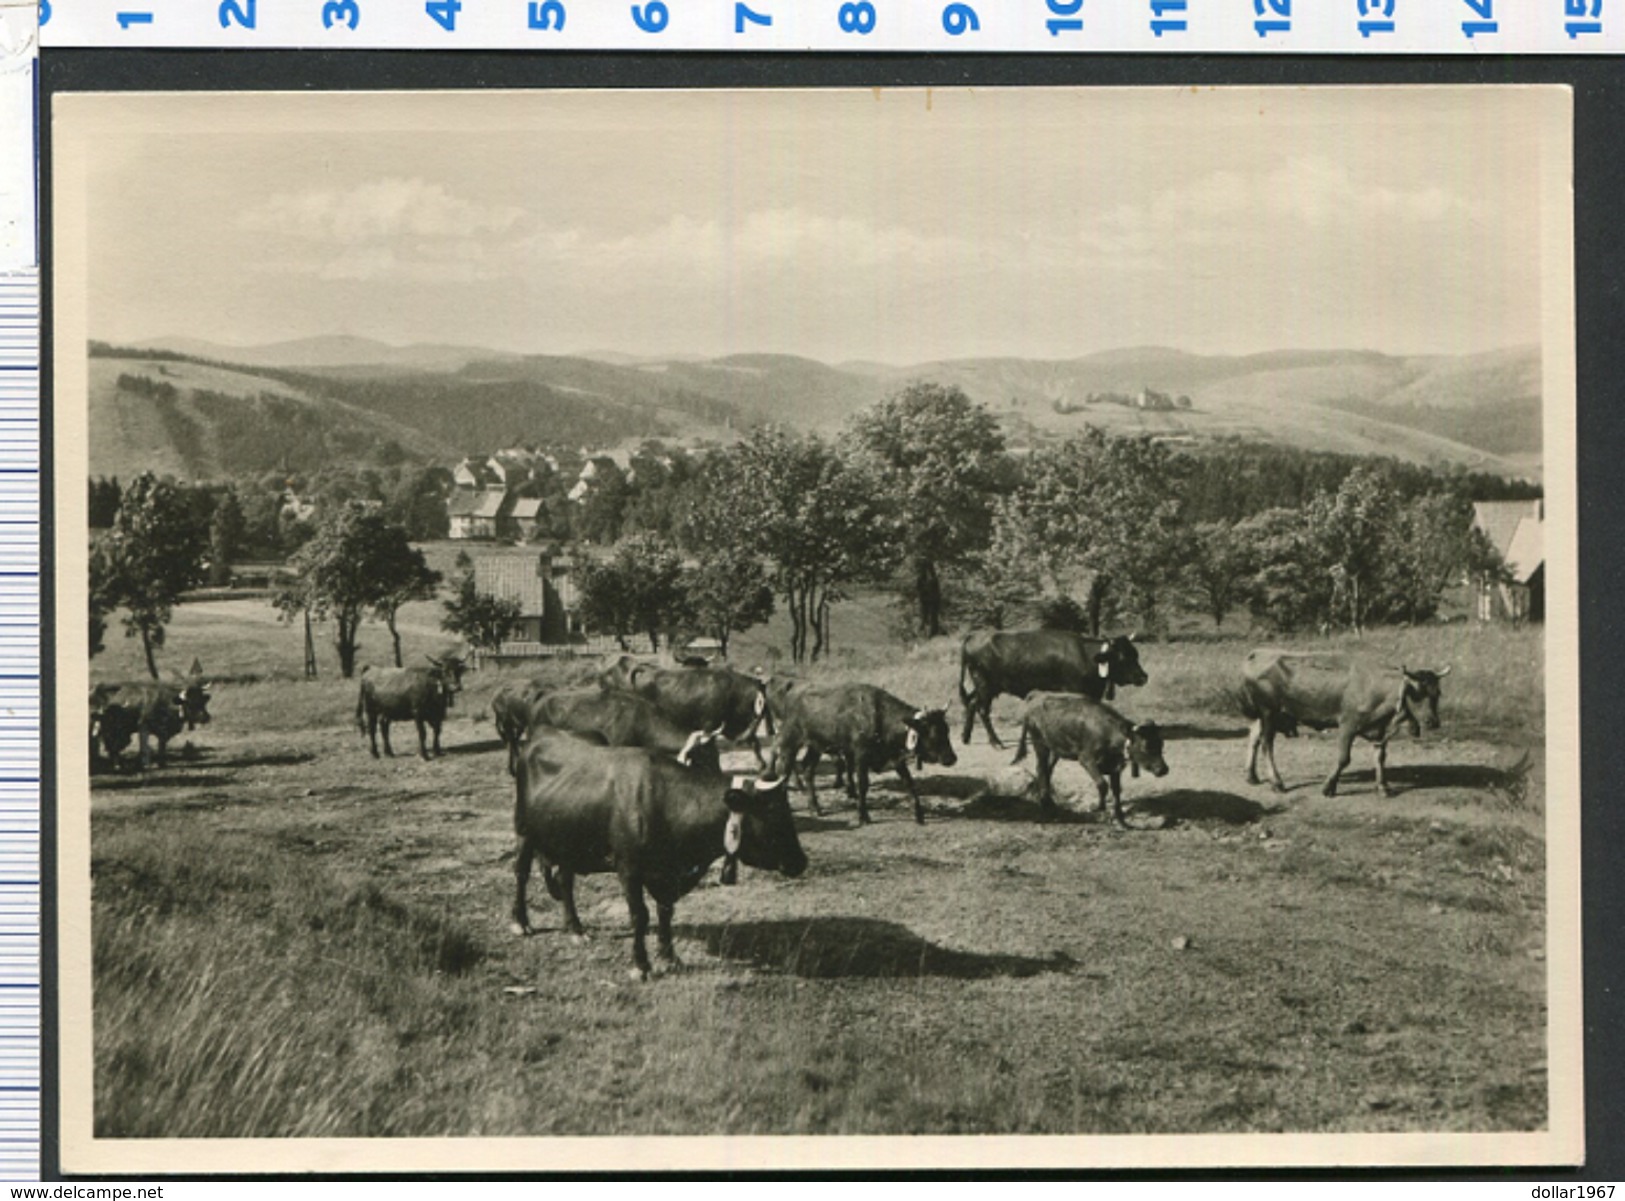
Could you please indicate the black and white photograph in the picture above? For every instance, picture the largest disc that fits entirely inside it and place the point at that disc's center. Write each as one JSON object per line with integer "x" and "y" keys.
{"x": 776, "y": 629}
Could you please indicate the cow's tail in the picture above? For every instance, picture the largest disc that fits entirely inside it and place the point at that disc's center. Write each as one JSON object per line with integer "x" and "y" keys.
{"x": 964, "y": 694}
{"x": 1021, "y": 747}
{"x": 361, "y": 702}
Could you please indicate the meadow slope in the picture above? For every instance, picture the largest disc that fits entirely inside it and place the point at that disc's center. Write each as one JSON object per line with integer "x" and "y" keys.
{"x": 293, "y": 939}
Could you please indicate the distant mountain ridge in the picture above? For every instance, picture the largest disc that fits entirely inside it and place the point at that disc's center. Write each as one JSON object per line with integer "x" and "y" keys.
{"x": 439, "y": 401}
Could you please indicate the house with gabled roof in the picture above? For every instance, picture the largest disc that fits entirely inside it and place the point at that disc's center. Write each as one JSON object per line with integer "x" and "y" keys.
{"x": 1516, "y": 529}
{"x": 543, "y": 583}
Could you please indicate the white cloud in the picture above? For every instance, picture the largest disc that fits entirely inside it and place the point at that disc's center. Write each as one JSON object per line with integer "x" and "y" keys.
{"x": 382, "y": 210}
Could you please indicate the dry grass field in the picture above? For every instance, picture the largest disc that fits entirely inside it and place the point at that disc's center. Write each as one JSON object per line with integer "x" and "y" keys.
{"x": 293, "y": 939}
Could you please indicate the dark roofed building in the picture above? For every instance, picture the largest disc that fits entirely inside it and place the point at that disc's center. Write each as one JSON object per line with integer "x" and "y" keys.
{"x": 543, "y": 584}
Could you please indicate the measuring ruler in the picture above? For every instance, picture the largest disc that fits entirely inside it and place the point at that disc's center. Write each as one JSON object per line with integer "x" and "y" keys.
{"x": 1456, "y": 27}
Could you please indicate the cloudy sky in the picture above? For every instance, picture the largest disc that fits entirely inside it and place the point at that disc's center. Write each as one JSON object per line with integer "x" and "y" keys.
{"x": 899, "y": 226}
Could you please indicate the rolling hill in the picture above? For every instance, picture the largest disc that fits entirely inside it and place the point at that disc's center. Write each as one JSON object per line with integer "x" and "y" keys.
{"x": 332, "y": 397}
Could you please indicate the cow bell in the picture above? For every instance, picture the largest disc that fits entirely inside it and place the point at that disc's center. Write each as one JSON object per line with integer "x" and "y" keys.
{"x": 732, "y": 836}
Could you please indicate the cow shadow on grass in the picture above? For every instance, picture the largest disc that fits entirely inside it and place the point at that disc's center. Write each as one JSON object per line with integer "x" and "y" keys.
{"x": 1183, "y": 733}
{"x": 213, "y": 759}
{"x": 159, "y": 778}
{"x": 1203, "y": 805}
{"x": 834, "y": 948}
{"x": 483, "y": 747}
{"x": 1477, "y": 777}
{"x": 1001, "y": 807}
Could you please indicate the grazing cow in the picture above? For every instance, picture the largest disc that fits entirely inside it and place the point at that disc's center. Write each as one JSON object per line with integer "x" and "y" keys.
{"x": 1280, "y": 689}
{"x": 655, "y": 824}
{"x": 622, "y": 719}
{"x": 1024, "y": 661}
{"x": 1065, "y": 725}
{"x": 698, "y": 698}
{"x": 510, "y": 714}
{"x": 420, "y": 695}
{"x": 150, "y": 711}
{"x": 866, "y": 729}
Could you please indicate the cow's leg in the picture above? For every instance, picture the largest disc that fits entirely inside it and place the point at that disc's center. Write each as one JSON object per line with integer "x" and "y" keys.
{"x": 919, "y": 810}
{"x": 1116, "y": 780}
{"x": 1379, "y": 755}
{"x": 423, "y": 742}
{"x": 1255, "y": 735}
{"x": 809, "y": 770}
{"x": 1345, "y": 751}
{"x": 566, "y": 881}
{"x": 372, "y": 733}
{"x": 435, "y": 726}
{"x": 845, "y": 776}
{"x": 863, "y": 792}
{"x": 1046, "y": 781}
{"x": 521, "y": 878}
{"x": 146, "y": 751}
{"x": 383, "y": 728}
{"x": 984, "y": 707}
{"x": 1269, "y": 752}
{"x": 1099, "y": 777}
{"x": 632, "y": 885}
{"x": 663, "y": 943}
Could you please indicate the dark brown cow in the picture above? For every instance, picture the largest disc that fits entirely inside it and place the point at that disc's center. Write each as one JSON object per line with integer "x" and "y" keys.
{"x": 623, "y": 719}
{"x": 699, "y": 698}
{"x": 867, "y": 729}
{"x": 658, "y": 826}
{"x": 510, "y": 714}
{"x": 148, "y": 711}
{"x": 1322, "y": 690}
{"x": 1024, "y": 661}
{"x": 1065, "y": 725}
{"x": 421, "y": 695}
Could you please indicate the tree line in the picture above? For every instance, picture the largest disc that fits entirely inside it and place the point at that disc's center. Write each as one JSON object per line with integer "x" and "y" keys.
{"x": 920, "y": 494}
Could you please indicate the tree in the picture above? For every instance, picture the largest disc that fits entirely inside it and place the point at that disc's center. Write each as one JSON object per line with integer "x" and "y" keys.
{"x": 938, "y": 458}
{"x": 414, "y": 580}
{"x": 1350, "y": 527}
{"x": 1287, "y": 584}
{"x": 103, "y": 594}
{"x": 357, "y": 560}
{"x": 1104, "y": 513}
{"x": 418, "y": 502}
{"x": 227, "y": 529}
{"x": 154, "y": 552}
{"x": 815, "y": 516}
{"x": 1217, "y": 568}
{"x": 479, "y": 618}
{"x": 728, "y": 592}
{"x": 638, "y": 589}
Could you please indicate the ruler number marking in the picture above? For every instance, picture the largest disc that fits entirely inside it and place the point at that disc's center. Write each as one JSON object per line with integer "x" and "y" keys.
{"x": 347, "y": 11}
{"x": 1063, "y": 21}
{"x": 742, "y": 13}
{"x": 858, "y": 17}
{"x": 1582, "y": 9}
{"x": 960, "y": 18}
{"x": 231, "y": 10}
{"x": 444, "y": 13}
{"x": 651, "y": 17}
{"x": 549, "y": 14}
{"x": 44, "y": 12}
{"x": 125, "y": 20}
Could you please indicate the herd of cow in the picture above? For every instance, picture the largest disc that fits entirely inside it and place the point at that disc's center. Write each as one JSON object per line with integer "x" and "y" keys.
{"x": 624, "y": 775}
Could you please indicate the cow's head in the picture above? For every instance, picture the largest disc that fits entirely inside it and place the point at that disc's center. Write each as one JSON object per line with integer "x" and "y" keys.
{"x": 450, "y": 668}
{"x": 1118, "y": 662}
{"x": 761, "y": 830}
{"x": 1145, "y": 750}
{"x": 1421, "y": 698}
{"x": 192, "y": 701}
{"x": 928, "y": 738}
{"x": 701, "y": 752}
{"x": 769, "y": 697}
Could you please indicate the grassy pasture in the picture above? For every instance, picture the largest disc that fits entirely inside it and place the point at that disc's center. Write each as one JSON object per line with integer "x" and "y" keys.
{"x": 291, "y": 939}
